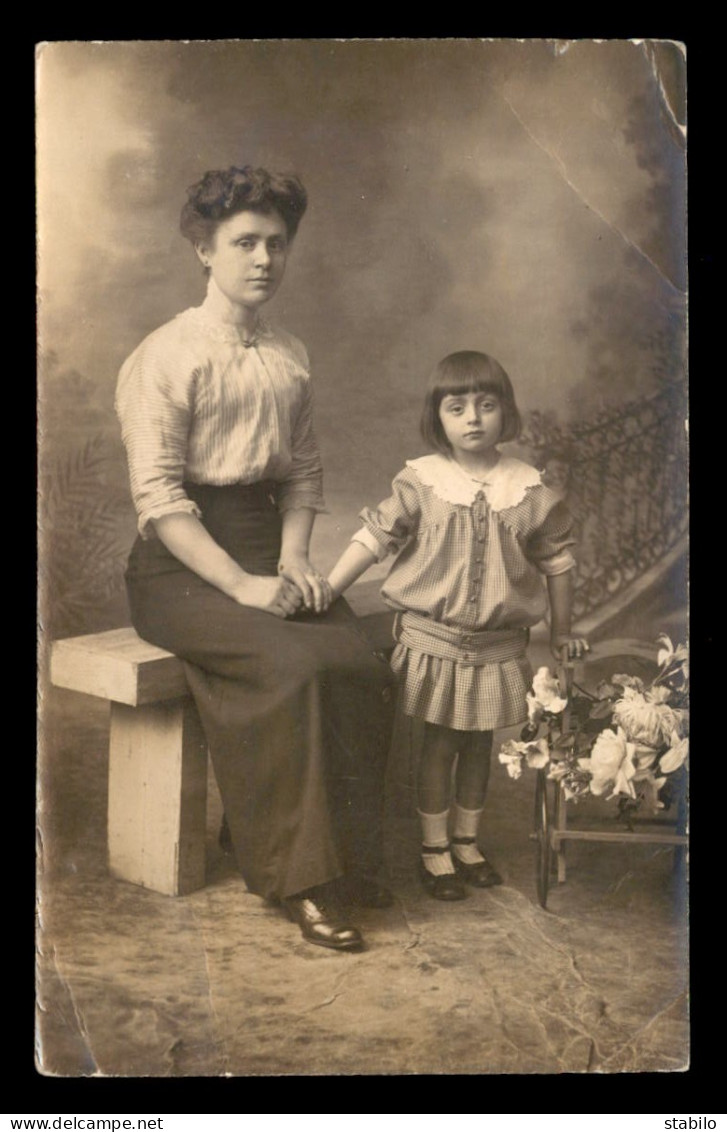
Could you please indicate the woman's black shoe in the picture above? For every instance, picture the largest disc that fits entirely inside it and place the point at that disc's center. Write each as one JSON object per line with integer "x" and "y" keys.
{"x": 320, "y": 919}
{"x": 446, "y": 886}
{"x": 481, "y": 874}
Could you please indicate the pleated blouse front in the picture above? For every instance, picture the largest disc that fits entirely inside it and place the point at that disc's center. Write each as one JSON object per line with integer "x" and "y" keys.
{"x": 198, "y": 404}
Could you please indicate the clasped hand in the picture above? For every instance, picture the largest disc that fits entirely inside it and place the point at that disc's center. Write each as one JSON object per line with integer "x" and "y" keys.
{"x": 313, "y": 590}
{"x": 267, "y": 592}
{"x": 296, "y": 584}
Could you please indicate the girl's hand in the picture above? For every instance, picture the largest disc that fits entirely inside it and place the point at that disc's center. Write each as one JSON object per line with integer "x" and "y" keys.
{"x": 316, "y": 594}
{"x": 273, "y": 595}
{"x": 565, "y": 648}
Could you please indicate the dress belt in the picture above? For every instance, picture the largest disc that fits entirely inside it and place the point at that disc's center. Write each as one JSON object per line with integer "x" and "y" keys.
{"x": 469, "y": 647}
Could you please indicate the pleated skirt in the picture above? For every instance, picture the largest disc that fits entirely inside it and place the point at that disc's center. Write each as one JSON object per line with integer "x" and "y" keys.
{"x": 297, "y": 713}
{"x": 462, "y": 679}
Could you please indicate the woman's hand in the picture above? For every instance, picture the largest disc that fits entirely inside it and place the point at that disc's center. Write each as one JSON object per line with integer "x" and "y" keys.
{"x": 273, "y": 595}
{"x": 565, "y": 648}
{"x": 184, "y": 535}
{"x": 315, "y": 590}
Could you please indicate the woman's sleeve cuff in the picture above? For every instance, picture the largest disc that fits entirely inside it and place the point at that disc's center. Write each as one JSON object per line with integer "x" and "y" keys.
{"x": 188, "y": 506}
{"x": 292, "y": 495}
{"x": 301, "y": 503}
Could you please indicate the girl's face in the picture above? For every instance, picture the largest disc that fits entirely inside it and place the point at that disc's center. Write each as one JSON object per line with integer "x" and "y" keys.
{"x": 247, "y": 257}
{"x": 472, "y": 422}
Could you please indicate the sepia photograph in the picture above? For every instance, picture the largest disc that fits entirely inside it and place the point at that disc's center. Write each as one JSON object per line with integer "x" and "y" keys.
{"x": 363, "y": 554}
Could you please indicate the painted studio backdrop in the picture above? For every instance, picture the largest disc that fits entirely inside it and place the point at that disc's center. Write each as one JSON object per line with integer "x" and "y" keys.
{"x": 525, "y": 199}
{"x": 521, "y": 198}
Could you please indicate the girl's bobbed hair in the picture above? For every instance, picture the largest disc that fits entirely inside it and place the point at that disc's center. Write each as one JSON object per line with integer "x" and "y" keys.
{"x": 467, "y": 371}
{"x": 224, "y": 192}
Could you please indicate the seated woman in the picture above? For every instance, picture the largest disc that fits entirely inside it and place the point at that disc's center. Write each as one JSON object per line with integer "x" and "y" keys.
{"x": 216, "y": 418}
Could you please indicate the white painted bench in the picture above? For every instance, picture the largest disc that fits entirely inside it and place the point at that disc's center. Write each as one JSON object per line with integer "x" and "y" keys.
{"x": 157, "y": 791}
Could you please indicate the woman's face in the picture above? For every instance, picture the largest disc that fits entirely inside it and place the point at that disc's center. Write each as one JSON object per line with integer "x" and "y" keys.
{"x": 247, "y": 257}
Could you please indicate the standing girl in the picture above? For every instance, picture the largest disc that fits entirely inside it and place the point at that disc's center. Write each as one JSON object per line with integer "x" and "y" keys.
{"x": 473, "y": 532}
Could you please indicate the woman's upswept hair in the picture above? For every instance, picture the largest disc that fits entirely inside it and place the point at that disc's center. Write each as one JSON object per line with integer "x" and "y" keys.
{"x": 224, "y": 192}
{"x": 467, "y": 371}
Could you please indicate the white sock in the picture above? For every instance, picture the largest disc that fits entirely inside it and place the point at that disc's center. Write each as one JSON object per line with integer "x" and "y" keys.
{"x": 434, "y": 835}
{"x": 466, "y": 824}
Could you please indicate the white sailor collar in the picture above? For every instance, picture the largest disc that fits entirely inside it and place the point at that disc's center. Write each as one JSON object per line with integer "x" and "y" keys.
{"x": 505, "y": 485}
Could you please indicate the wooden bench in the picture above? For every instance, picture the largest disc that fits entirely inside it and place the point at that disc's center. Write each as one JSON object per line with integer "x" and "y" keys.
{"x": 157, "y": 793}
{"x": 157, "y": 799}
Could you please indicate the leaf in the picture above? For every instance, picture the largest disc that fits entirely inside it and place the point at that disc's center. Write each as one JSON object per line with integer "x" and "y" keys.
{"x": 675, "y": 756}
{"x": 596, "y": 726}
{"x": 564, "y": 744}
{"x": 580, "y": 709}
{"x": 601, "y": 709}
{"x": 666, "y": 652}
{"x": 82, "y": 532}
{"x": 628, "y": 681}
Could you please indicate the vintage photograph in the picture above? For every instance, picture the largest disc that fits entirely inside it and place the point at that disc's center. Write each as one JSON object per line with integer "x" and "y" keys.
{"x": 363, "y": 608}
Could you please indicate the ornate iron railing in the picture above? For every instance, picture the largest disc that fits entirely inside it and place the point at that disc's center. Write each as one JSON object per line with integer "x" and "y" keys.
{"x": 624, "y": 475}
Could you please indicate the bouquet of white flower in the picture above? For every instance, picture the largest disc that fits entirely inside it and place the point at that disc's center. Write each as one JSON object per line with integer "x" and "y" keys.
{"x": 628, "y": 739}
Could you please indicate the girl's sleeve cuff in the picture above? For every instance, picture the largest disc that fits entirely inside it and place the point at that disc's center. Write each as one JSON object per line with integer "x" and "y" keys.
{"x": 557, "y": 563}
{"x": 371, "y": 543}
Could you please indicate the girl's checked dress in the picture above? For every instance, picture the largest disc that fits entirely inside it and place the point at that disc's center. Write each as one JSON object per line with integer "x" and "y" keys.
{"x": 468, "y": 584}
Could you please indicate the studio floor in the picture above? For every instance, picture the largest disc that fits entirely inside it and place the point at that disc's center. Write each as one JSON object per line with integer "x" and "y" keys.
{"x": 134, "y": 984}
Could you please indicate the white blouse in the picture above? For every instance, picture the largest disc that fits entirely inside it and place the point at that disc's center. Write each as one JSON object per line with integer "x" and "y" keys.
{"x": 198, "y": 404}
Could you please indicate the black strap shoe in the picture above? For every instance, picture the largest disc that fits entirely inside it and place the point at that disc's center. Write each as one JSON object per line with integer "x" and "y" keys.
{"x": 321, "y": 921}
{"x": 446, "y": 886}
{"x": 481, "y": 874}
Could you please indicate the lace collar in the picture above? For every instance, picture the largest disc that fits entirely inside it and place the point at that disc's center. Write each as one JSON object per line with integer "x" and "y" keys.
{"x": 505, "y": 486}
{"x": 226, "y": 331}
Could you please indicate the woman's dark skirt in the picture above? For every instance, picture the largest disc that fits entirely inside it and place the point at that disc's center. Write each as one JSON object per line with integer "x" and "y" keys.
{"x": 297, "y": 712}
